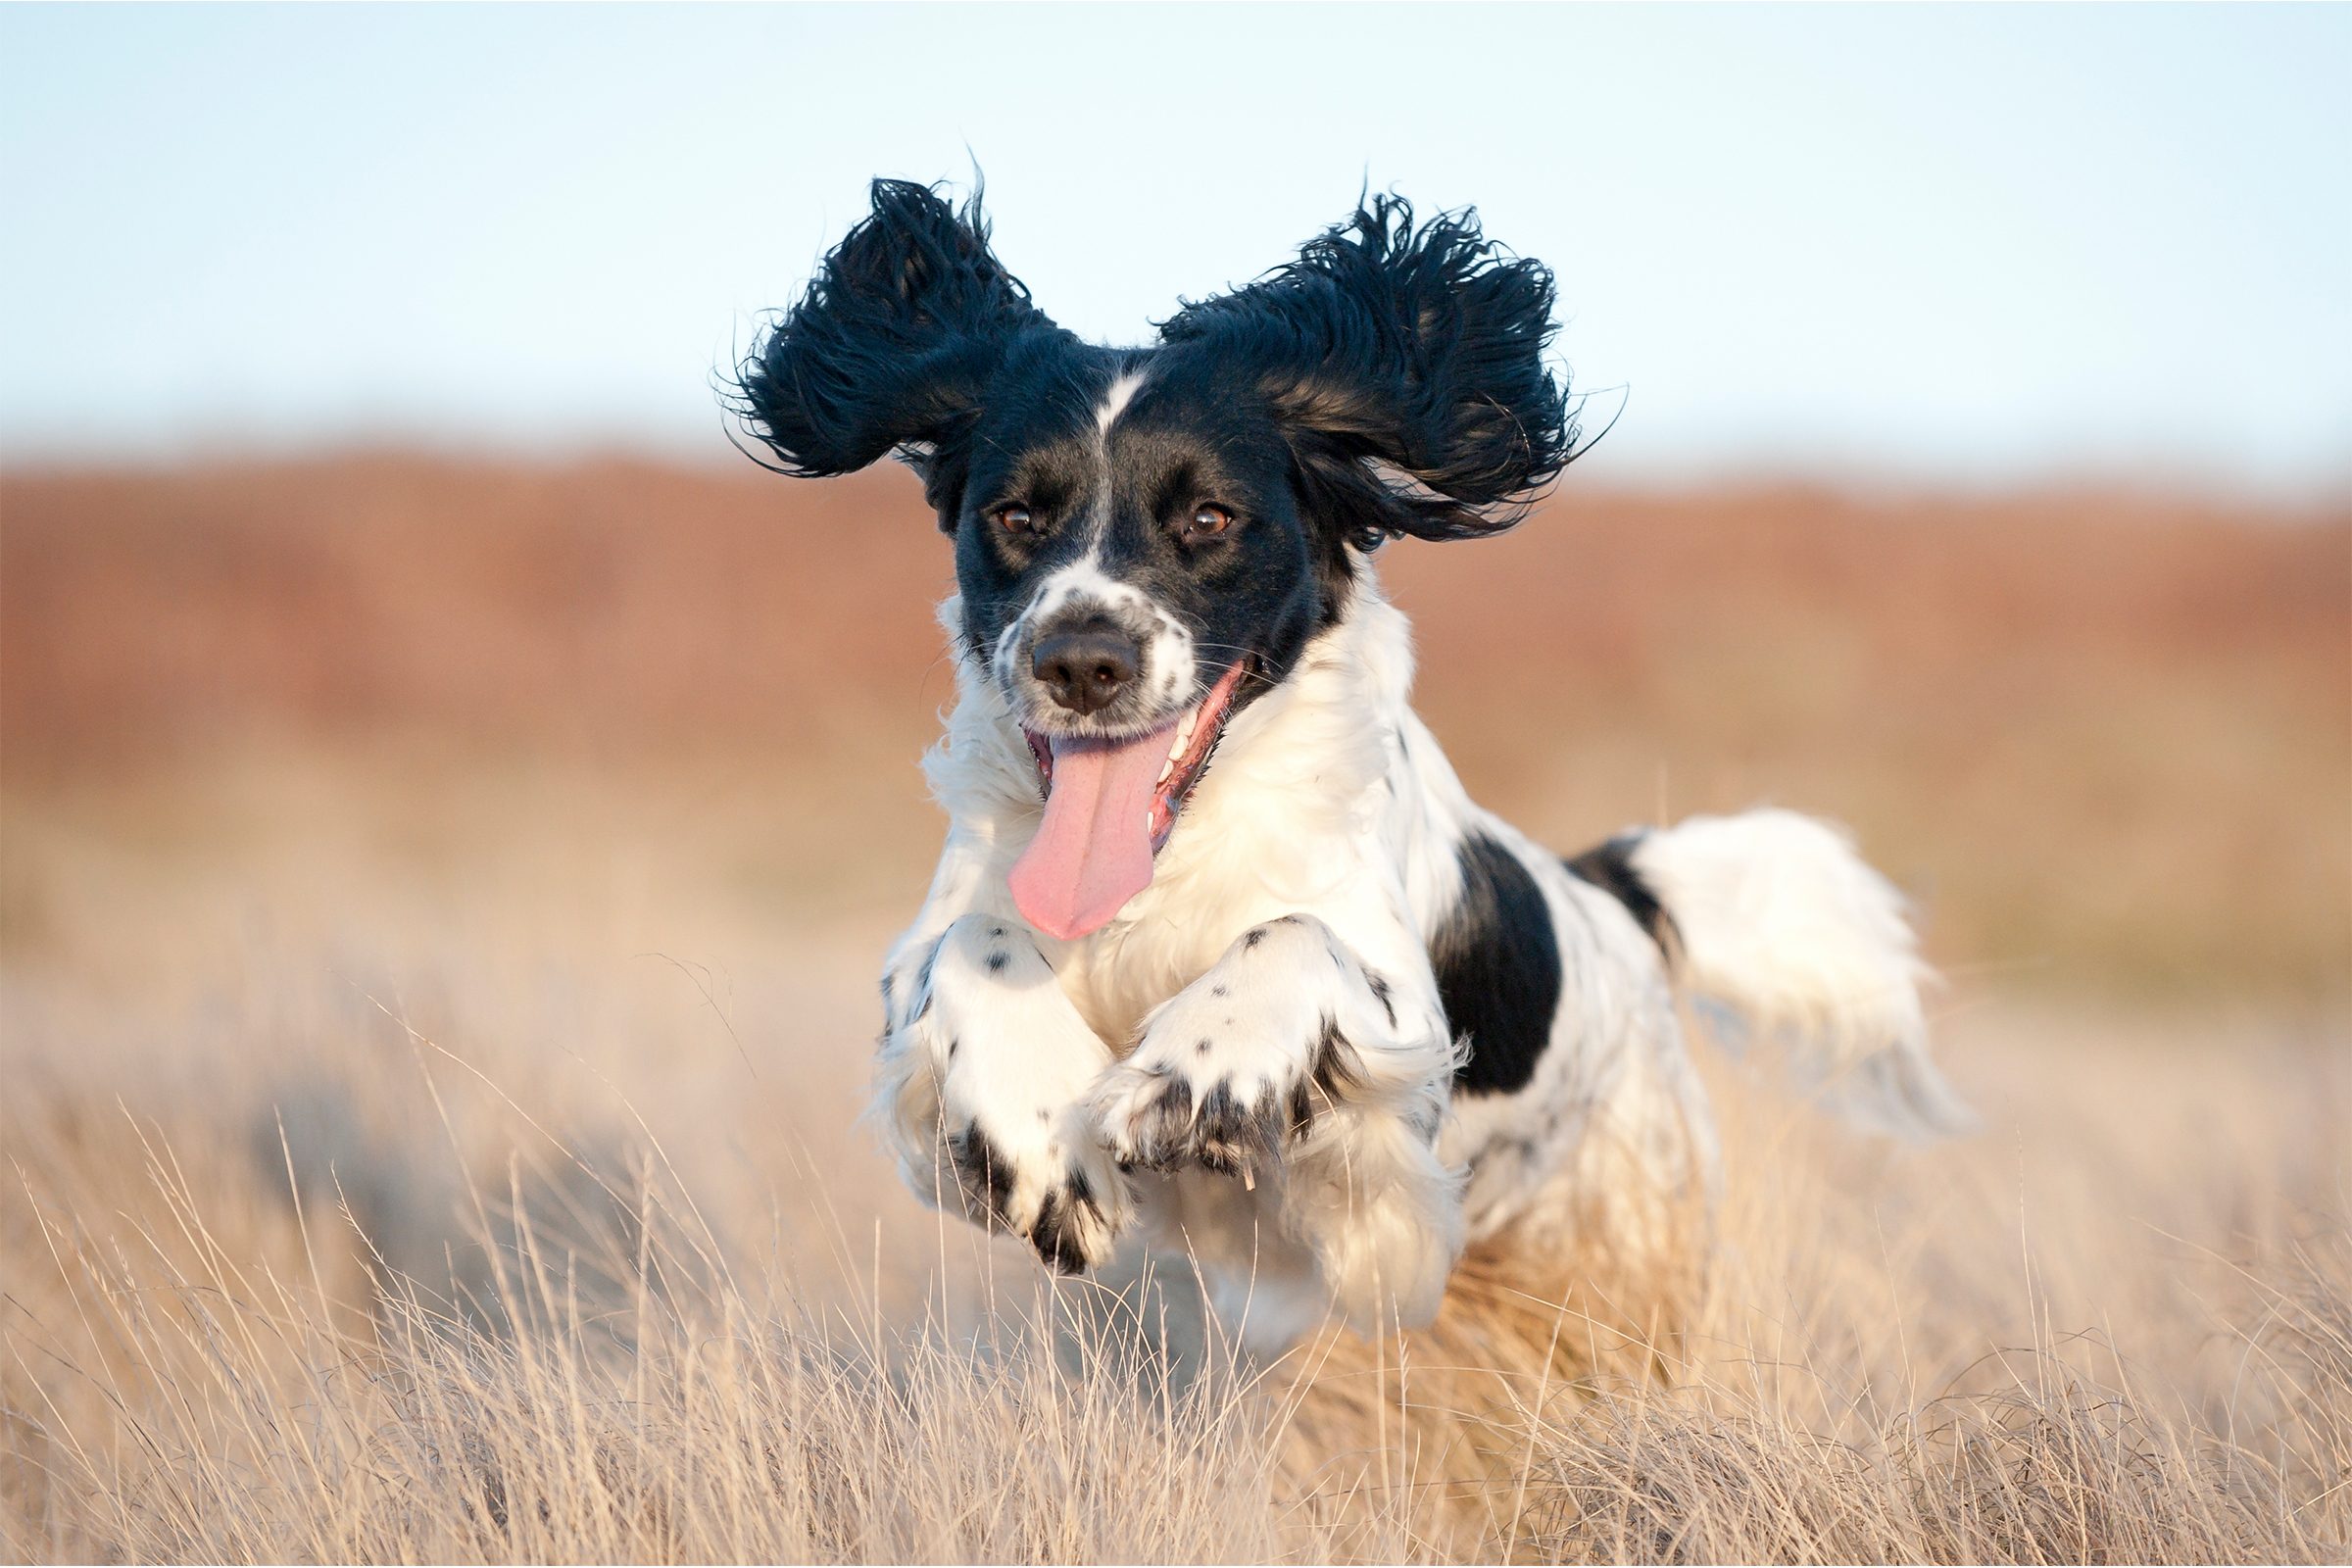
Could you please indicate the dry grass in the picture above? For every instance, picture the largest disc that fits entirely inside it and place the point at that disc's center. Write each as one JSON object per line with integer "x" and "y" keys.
{"x": 369, "y": 1203}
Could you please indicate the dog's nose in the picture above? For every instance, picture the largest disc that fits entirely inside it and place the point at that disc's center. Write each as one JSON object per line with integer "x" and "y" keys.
{"x": 1087, "y": 667}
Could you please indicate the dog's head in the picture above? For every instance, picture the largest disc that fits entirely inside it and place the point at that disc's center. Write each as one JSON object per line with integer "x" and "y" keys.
{"x": 1147, "y": 538}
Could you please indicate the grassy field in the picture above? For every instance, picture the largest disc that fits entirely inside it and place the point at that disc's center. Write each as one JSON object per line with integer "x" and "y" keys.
{"x": 437, "y": 913}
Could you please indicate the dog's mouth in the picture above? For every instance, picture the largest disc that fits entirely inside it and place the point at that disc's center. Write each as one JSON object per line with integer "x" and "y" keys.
{"x": 1110, "y": 808}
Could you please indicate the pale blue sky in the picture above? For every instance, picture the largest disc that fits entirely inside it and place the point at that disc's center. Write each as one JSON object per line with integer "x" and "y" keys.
{"x": 1921, "y": 244}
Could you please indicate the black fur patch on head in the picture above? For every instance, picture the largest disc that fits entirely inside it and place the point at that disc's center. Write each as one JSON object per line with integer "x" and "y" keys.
{"x": 1498, "y": 963}
{"x": 1420, "y": 348}
{"x": 1124, "y": 496}
{"x": 1610, "y": 866}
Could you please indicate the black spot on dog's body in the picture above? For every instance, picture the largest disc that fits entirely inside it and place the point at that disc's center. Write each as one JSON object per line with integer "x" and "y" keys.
{"x": 1216, "y": 991}
{"x": 1252, "y": 938}
{"x": 1205, "y": 1046}
{"x": 1380, "y": 989}
{"x": 1610, "y": 866}
{"x": 997, "y": 963}
{"x": 1497, "y": 963}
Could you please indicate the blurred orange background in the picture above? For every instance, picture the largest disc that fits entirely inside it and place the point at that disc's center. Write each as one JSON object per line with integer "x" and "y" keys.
{"x": 2105, "y": 739}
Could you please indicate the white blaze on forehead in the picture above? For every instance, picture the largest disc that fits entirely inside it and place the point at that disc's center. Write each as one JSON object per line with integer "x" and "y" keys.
{"x": 1114, "y": 402}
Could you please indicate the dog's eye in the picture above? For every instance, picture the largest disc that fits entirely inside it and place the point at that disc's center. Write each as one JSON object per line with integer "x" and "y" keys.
{"x": 1208, "y": 521}
{"x": 1013, "y": 519}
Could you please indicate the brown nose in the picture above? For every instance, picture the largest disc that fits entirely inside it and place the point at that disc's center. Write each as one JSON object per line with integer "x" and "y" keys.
{"x": 1087, "y": 667}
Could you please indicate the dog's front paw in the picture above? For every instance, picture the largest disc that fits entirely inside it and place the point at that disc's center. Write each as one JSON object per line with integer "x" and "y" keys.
{"x": 1060, "y": 1195}
{"x": 1161, "y": 1116}
{"x": 1234, "y": 1069}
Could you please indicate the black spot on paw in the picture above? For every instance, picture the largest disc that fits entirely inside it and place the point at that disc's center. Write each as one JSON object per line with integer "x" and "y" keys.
{"x": 1231, "y": 1134}
{"x": 1064, "y": 1216}
{"x": 1337, "y": 1070}
{"x": 982, "y": 1169}
{"x": 996, "y": 932}
{"x": 1303, "y": 1108}
{"x": 1252, "y": 939}
{"x": 1161, "y": 1131}
{"x": 1334, "y": 1071}
{"x": 995, "y": 962}
{"x": 1216, "y": 991}
{"x": 922, "y": 982}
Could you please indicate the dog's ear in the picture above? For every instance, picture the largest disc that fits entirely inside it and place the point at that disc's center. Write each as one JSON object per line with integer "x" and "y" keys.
{"x": 894, "y": 343}
{"x": 1407, "y": 366}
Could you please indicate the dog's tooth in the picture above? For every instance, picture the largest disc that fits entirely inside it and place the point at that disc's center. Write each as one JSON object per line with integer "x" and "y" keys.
{"x": 1184, "y": 738}
{"x": 1166, "y": 768}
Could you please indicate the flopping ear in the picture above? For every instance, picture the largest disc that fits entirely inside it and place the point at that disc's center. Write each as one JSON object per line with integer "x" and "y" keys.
{"x": 1417, "y": 349}
{"x": 894, "y": 343}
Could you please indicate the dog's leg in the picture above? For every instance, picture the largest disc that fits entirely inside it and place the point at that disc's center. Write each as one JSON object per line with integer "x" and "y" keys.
{"x": 981, "y": 1086}
{"x": 1292, "y": 1061}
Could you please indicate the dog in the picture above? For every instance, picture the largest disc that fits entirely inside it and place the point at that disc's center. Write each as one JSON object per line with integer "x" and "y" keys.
{"x": 1220, "y": 959}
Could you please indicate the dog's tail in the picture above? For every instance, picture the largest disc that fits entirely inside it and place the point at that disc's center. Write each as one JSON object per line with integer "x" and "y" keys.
{"x": 1776, "y": 929}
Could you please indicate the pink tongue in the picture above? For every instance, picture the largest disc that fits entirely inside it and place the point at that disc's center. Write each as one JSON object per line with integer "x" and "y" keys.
{"x": 1093, "y": 853}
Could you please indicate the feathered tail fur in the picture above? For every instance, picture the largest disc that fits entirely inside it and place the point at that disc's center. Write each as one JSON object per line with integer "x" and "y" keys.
{"x": 1778, "y": 930}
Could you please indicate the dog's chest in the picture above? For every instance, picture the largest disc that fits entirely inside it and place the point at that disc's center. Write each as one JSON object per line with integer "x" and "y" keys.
{"x": 1115, "y": 980}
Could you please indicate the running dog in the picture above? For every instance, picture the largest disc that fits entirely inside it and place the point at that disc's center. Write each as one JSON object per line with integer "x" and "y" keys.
{"x": 1219, "y": 954}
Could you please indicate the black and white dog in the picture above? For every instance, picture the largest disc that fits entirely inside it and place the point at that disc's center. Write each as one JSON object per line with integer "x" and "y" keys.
{"x": 1309, "y": 1015}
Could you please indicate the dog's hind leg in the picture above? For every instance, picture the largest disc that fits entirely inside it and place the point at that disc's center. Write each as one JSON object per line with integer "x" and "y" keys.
{"x": 980, "y": 1089}
{"x": 1293, "y": 1063}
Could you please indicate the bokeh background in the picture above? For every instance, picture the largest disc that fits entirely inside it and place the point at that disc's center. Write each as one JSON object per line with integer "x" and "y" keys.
{"x": 405, "y": 687}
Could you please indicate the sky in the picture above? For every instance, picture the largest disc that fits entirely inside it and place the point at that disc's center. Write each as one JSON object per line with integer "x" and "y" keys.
{"x": 1957, "y": 245}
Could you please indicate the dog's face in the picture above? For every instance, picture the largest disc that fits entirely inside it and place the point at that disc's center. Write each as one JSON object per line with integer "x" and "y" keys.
{"x": 1128, "y": 536}
{"x": 1145, "y": 539}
